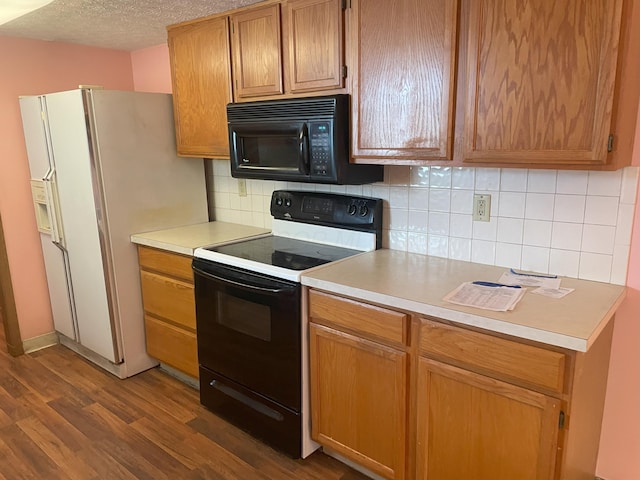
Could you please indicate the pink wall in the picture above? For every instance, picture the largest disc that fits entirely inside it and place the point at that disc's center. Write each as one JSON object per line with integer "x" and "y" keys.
{"x": 619, "y": 457}
{"x": 151, "y": 71}
{"x": 33, "y": 67}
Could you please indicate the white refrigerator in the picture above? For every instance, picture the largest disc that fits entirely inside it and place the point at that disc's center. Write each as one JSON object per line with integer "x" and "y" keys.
{"x": 104, "y": 166}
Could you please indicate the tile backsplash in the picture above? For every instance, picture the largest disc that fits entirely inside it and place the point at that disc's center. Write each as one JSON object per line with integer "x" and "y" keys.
{"x": 571, "y": 223}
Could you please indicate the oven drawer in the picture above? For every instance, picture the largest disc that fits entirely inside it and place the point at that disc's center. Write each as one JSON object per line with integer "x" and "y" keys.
{"x": 172, "y": 345}
{"x": 368, "y": 320}
{"x": 273, "y": 423}
{"x": 169, "y": 298}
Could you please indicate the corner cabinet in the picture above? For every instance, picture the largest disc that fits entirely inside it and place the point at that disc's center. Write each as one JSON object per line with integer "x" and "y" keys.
{"x": 541, "y": 81}
{"x": 359, "y": 382}
{"x": 169, "y": 308}
{"x": 288, "y": 48}
{"x": 199, "y": 53}
{"x": 403, "y": 56}
{"x": 407, "y": 396}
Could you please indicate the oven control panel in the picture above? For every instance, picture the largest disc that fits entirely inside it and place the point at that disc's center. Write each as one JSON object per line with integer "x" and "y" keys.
{"x": 329, "y": 209}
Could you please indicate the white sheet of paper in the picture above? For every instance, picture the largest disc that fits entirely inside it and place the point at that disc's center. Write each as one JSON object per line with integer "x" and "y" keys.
{"x": 553, "y": 292}
{"x": 509, "y": 278}
{"x": 499, "y": 299}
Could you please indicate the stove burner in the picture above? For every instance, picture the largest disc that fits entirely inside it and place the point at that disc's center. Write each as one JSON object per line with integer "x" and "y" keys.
{"x": 285, "y": 252}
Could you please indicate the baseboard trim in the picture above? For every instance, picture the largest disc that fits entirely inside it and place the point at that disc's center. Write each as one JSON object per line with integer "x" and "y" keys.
{"x": 183, "y": 377}
{"x": 355, "y": 466}
{"x": 34, "y": 344}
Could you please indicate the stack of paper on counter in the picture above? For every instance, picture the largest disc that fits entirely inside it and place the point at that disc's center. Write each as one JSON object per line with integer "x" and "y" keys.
{"x": 498, "y": 299}
{"x": 513, "y": 277}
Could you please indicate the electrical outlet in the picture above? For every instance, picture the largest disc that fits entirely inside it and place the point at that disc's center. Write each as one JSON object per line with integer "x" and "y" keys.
{"x": 481, "y": 207}
{"x": 242, "y": 187}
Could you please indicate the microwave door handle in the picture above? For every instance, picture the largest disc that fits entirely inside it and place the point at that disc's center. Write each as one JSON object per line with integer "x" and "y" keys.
{"x": 303, "y": 146}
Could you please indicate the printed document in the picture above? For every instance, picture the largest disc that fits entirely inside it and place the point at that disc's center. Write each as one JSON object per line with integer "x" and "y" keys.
{"x": 499, "y": 299}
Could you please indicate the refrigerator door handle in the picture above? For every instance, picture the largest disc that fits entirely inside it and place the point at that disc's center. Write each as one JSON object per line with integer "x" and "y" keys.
{"x": 52, "y": 207}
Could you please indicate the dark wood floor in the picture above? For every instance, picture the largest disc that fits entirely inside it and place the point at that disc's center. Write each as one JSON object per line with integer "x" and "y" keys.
{"x": 63, "y": 418}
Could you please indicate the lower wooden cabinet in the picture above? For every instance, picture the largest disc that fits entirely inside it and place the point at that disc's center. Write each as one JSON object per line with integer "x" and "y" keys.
{"x": 473, "y": 426}
{"x": 412, "y": 397}
{"x": 358, "y": 394}
{"x": 359, "y": 370}
{"x": 169, "y": 307}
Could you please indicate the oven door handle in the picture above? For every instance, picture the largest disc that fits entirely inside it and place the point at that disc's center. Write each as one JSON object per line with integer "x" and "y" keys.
{"x": 244, "y": 285}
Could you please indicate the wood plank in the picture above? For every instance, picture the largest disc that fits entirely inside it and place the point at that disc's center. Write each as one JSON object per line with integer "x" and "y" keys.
{"x": 87, "y": 424}
{"x": 63, "y": 456}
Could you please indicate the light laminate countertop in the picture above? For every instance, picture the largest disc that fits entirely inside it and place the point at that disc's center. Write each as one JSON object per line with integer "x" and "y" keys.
{"x": 418, "y": 283}
{"x": 186, "y": 239}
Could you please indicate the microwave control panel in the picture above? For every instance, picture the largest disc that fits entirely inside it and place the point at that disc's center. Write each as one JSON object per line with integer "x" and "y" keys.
{"x": 320, "y": 148}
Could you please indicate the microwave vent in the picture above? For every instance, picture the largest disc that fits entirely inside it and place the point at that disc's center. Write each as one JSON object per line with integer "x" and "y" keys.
{"x": 289, "y": 108}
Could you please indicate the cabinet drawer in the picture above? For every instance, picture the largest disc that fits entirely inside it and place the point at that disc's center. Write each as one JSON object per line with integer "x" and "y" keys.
{"x": 533, "y": 365}
{"x": 169, "y": 298}
{"x": 172, "y": 345}
{"x": 359, "y": 317}
{"x": 166, "y": 262}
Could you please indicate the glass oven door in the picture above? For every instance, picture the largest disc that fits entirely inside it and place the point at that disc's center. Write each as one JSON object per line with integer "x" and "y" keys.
{"x": 248, "y": 328}
{"x": 265, "y": 150}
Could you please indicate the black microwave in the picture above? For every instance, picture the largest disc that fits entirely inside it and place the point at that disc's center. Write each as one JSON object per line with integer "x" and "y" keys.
{"x": 296, "y": 140}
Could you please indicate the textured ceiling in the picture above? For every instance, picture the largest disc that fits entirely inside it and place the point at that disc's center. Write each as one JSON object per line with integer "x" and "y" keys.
{"x": 118, "y": 24}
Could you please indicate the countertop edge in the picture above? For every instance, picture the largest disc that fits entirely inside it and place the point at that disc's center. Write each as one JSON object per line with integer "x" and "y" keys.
{"x": 170, "y": 247}
{"x": 463, "y": 318}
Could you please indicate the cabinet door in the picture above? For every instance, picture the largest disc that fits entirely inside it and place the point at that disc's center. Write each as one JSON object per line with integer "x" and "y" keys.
{"x": 471, "y": 426}
{"x": 315, "y": 40}
{"x": 403, "y": 56}
{"x": 358, "y": 400}
{"x": 541, "y": 81}
{"x": 201, "y": 78}
{"x": 257, "y": 52}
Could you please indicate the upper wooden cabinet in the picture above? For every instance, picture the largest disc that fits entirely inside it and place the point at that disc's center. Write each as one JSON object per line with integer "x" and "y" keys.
{"x": 315, "y": 45}
{"x": 257, "y": 52}
{"x": 201, "y": 78}
{"x": 541, "y": 79}
{"x": 403, "y": 59}
{"x": 292, "y": 47}
{"x": 460, "y": 82}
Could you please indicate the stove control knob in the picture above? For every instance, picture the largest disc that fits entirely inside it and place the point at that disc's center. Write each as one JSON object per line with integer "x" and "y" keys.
{"x": 352, "y": 209}
{"x": 279, "y": 201}
{"x": 363, "y": 211}
{"x": 287, "y": 202}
